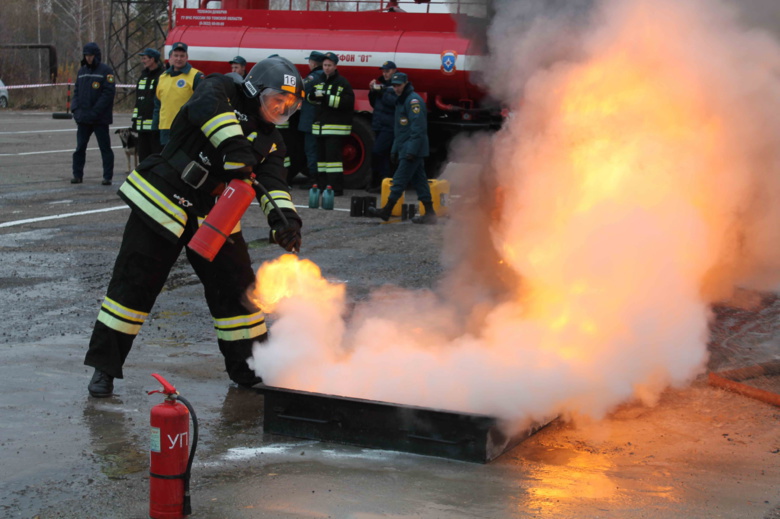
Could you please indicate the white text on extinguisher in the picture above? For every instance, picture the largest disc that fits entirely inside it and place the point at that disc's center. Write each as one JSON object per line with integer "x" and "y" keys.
{"x": 228, "y": 192}
{"x": 180, "y": 440}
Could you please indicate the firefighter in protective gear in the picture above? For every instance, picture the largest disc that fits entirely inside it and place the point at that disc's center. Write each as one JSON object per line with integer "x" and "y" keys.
{"x": 332, "y": 122}
{"x": 410, "y": 145}
{"x": 307, "y": 113}
{"x": 225, "y": 131}
{"x": 143, "y": 113}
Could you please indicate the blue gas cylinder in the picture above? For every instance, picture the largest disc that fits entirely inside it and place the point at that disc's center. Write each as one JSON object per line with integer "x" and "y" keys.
{"x": 314, "y": 197}
{"x": 327, "y": 198}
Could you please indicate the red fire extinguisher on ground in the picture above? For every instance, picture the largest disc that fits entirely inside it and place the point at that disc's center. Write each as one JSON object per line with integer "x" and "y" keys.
{"x": 170, "y": 463}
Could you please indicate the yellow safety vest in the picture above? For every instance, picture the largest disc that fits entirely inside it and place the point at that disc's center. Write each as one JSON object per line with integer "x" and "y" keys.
{"x": 173, "y": 92}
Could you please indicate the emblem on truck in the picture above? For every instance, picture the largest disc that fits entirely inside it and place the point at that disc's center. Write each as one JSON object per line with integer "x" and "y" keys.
{"x": 448, "y": 61}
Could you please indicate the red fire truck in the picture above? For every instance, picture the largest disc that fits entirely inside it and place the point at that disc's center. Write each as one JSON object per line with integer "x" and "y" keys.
{"x": 440, "y": 52}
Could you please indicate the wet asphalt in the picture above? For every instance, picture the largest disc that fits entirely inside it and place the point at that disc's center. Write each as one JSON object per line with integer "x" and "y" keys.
{"x": 64, "y": 454}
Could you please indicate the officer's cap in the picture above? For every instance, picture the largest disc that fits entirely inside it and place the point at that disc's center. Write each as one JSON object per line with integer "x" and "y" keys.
{"x": 388, "y": 65}
{"x": 151, "y": 53}
{"x": 331, "y": 56}
{"x": 179, "y": 45}
{"x": 238, "y": 60}
{"x": 316, "y": 56}
{"x": 399, "y": 78}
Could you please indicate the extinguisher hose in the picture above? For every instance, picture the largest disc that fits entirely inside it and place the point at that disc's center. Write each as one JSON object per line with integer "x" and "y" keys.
{"x": 187, "y": 505}
{"x": 262, "y": 188}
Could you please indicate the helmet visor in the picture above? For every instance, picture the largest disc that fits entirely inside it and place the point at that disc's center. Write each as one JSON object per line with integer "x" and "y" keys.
{"x": 276, "y": 106}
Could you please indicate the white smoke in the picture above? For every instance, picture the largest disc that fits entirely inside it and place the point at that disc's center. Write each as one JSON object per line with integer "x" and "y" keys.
{"x": 636, "y": 181}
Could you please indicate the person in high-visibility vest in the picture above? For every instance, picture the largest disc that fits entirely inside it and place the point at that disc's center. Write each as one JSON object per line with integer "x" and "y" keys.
{"x": 174, "y": 88}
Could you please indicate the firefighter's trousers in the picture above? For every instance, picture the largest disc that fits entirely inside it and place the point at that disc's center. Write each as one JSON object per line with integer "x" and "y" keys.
{"x": 330, "y": 166}
{"x": 145, "y": 259}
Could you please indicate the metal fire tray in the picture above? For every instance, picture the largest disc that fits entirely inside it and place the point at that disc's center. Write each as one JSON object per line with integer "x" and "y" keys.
{"x": 382, "y": 425}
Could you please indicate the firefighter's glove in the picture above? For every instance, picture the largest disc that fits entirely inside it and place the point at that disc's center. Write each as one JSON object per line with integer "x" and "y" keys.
{"x": 410, "y": 156}
{"x": 287, "y": 236}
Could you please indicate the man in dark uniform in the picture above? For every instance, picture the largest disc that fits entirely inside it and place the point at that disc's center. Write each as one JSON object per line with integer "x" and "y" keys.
{"x": 93, "y": 111}
{"x": 307, "y": 113}
{"x": 410, "y": 146}
{"x": 225, "y": 131}
{"x": 332, "y": 122}
{"x": 382, "y": 98}
{"x": 238, "y": 66}
{"x": 143, "y": 113}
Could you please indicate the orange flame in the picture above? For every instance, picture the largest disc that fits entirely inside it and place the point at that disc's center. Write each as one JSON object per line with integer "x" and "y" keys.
{"x": 291, "y": 277}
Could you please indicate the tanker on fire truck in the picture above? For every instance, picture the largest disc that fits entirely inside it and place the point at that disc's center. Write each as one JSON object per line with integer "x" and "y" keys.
{"x": 440, "y": 51}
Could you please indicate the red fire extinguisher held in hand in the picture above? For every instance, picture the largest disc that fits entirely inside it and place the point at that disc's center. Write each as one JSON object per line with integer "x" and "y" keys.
{"x": 170, "y": 463}
{"x": 227, "y": 212}
{"x": 223, "y": 218}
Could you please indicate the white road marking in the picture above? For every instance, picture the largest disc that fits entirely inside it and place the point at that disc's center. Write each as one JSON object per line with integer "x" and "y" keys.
{"x": 39, "y": 131}
{"x": 64, "y": 215}
{"x": 92, "y": 211}
{"x": 51, "y": 151}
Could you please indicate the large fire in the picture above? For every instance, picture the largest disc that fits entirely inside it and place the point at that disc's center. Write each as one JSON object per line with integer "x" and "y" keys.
{"x": 638, "y": 181}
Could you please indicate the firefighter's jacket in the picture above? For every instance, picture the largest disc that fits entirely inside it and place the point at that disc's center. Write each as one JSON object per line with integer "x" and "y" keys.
{"x": 383, "y": 102}
{"x": 143, "y": 113}
{"x": 210, "y": 131}
{"x": 335, "y": 107}
{"x": 411, "y": 125}
{"x": 93, "y": 92}
{"x": 174, "y": 88}
{"x": 309, "y": 109}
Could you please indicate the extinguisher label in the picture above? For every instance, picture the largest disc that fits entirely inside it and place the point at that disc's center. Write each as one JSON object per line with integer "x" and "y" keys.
{"x": 154, "y": 444}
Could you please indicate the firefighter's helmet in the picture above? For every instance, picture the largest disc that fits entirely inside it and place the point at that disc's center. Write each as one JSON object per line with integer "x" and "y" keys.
{"x": 278, "y": 85}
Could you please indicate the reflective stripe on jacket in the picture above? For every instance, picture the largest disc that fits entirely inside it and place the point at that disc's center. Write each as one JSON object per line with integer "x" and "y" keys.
{"x": 335, "y": 107}
{"x": 143, "y": 113}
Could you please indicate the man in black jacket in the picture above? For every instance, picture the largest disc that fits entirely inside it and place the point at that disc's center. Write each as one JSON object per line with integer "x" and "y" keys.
{"x": 143, "y": 113}
{"x": 332, "y": 122}
{"x": 224, "y": 132}
{"x": 93, "y": 106}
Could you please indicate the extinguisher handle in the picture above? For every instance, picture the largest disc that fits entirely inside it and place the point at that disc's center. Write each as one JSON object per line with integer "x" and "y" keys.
{"x": 168, "y": 388}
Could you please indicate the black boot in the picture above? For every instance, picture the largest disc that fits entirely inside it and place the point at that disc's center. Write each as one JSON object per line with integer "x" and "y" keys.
{"x": 429, "y": 217}
{"x": 383, "y": 213}
{"x": 101, "y": 385}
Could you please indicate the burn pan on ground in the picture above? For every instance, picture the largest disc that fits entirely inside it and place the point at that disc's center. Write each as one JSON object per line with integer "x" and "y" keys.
{"x": 388, "y": 426}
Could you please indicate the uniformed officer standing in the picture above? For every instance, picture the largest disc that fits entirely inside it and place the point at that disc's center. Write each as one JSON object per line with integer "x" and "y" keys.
{"x": 174, "y": 88}
{"x": 93, "y": 111}
{"x": 382, "y": 98}
{"x": 143, "y": 113}
{"x": 225, "y": 131}
{"x": 307, "y": 114}
{"x": 332, "y": 122}
{"x": 410, "y": 146}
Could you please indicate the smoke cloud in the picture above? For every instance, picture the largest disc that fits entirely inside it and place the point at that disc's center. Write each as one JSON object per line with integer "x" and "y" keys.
{"x": 636, "y": 181}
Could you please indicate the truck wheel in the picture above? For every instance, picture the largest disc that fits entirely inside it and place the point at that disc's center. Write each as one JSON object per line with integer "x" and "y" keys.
{"x": 357, "y": 154}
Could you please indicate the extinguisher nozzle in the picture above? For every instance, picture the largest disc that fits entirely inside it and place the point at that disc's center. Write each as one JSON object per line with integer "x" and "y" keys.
{"x": 187, "y": 506}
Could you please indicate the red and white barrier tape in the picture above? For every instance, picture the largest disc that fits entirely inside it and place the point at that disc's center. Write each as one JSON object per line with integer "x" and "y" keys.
{"x": 12, "y": 87}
